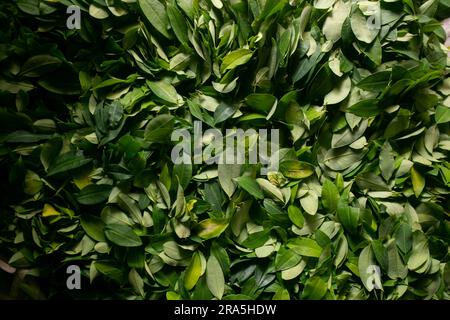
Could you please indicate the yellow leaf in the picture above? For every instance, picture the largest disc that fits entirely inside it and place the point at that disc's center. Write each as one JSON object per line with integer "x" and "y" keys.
{"x": 49, "y": 211}
{"x": 190, "y": 205}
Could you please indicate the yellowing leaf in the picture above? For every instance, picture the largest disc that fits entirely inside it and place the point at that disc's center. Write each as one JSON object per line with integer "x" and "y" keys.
{"x": 418, "y": 182}
{"x": 49, "y": 211}
{"x": 193, "y": 271}
{"x": 211, "y": 228}
{"x": 172, "y": 295}
{"x": 82, "y": 180}
{"x": 33, "y": 183}
{"x": 295, "y": 169}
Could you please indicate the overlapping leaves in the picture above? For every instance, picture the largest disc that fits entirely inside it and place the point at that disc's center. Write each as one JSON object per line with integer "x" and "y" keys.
{"x": 357, "y": 210}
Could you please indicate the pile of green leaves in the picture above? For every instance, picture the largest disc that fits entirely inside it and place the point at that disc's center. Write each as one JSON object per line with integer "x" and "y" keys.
{"x": 86, "y": 176}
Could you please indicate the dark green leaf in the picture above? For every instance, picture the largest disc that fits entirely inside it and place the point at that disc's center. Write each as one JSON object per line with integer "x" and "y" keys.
{"x": 251, "y": 186}
{"x": 122, "y": 235}
{"x": 94, "y": 194}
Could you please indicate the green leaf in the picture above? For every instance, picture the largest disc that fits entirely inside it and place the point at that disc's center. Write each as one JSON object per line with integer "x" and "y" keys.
{"x": 122, "y": 235}
{"x": 39, "y": 65}
{"x": 447, "y": 274}
{"x": 261, "y": 102}
{"x": 184, "y": 174}
{"x": 211, "y": 228}
{"x": 281, "y": 294}
{"x": 178, "y": 22}
{"x": 110, "y": 271}
{"x": 63, "y": 81}
{"x": 193, "y": 271}
{"x": 367, "y": 270}
{"x": 323, "y": 4}
{"x": 188, "y": 6}
{"x": 29, "y": 6}
{"x": 341, "y": 252}
{"x": 32, "y": 184}
{"x": 339, "y": 93}
{"x": 225, "y": 87}
{"x": 396, "y": 267}
{"x": 310, "y": 203}
{"x": 94, "y": 194}
{"x": 360, "y": 27}
{"x": 315, "y": 288}
{"x": 236, "y": 58}
{"x": 330, "y": 195}
{"x": 214, "y": 196}
{"x": 305, "y": 247}
{"x": 348, "y": 136}
{"x": 286, "y": 259}
{"x": 155, "y": 13}
{"x": 93, "y": 226}
{"x": 223, "y": 112}
{"x": 250, "y": 185}
{"x": 112, "y": 215}
{"x": 348, "y": 216}
{"x": 256, "y": 240}
{"x": 418, "y": 182}
{"x": 214, "y": 277}
{"x": 164, "y": 91}
{"x": 159, "y": 128}
{"x": 293, "y": 272}
{"x": 197, "y": 111}
{"x": 341, "y": 159}
{"x": 376, "y": 82}
{"x": 66, "y": 162}
{"x": 387, "y": 161}
{"x": 332, "y": 26}
{"x": 353, "y": 206}
{"x": 403, "y": 237}
{"x": 380, "y": 253}
{"x": 270, "y": 190}
{"x": 15, "y": 87}
{"x": 365, "y": 108}
{"x": 296, "y": 216}
{"x": 226, "y": 173}
{"x": 398, "y": 124}
{"x": 25, "y": 137}
{"x": 98, "y": 12}
{"x": 296, "y": 169}
{"x": 136, "y": 282}
{"x": 442, "y": 114}
{"x": 127, "y": 204}
{"x": 420, "y": 252}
